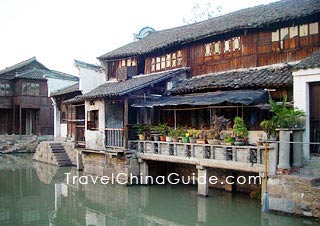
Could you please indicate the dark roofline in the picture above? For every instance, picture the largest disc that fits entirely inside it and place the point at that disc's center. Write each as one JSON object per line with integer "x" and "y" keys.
{"x": 69, "y": 89}
{"x": 312, "y": 61}
{"x": 21, "y": 64}
{"x": 249, "y": 18}
{"x": 61, "y": 75}
{"x": 23, "y": 75}
{"x": 82, "y": 64}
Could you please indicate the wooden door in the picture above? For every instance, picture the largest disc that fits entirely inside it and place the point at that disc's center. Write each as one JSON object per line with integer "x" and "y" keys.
{"x": 315, "y": 116}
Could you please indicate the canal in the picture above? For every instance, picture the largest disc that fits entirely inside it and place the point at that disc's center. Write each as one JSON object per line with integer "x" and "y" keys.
{"x": 33, "y": 193}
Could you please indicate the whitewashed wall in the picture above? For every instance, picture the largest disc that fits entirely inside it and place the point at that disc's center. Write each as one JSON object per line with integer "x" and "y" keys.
{"x": 95, "y": 139}
{"x": 56, "y": 84}
{"x": 301, "y": 80}
{"x": 90, "y": 79}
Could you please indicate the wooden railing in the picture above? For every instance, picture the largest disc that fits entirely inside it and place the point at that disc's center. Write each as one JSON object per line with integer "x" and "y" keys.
{"x": 114, "y": 137}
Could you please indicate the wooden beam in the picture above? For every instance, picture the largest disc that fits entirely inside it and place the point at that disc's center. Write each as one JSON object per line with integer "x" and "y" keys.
{"x": 20, "y": 120}
{"x": 14, "y": 119}
{"x": 125, "y": 122}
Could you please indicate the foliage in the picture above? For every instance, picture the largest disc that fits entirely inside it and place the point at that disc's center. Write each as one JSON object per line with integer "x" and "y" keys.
{"x": 175, "y": 133}
{"x": 143, "y": 128}
{"x": 269, "y": 127}
{"x": 229, "y": 139}
{"x": 239, "y": 128}
{"x": 284, "y": 117}
{"x": 203, "y": 134}
{"x": 219, "y": 123}
{"x": 203, "y": 10}
{"x": 163, "y": 129}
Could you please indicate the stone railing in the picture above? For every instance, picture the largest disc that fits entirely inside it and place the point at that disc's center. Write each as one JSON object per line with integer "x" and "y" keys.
{"x": 243, "y": 154}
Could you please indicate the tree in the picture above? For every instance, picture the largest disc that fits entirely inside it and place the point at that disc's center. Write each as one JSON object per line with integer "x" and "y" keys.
{"x": 203, "y": 10}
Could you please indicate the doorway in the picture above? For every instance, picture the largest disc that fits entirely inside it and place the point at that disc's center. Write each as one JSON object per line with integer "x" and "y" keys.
{"x": 315, "y": 118}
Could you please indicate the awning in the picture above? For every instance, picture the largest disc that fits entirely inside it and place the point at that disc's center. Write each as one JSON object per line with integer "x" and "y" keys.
{"x": 244, "y": 97}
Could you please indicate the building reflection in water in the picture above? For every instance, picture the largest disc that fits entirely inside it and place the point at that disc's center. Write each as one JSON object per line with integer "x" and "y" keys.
{"x": 37, "y": 194}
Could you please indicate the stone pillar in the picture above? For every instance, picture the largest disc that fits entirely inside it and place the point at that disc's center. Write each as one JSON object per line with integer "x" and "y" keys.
{"x": 297, "y": 149}
{"x": 203, "y": 185}
{"x": 273, "y": 157}
{"x": 284, "y": 150}
{"x": 79, "y": 161}
{"x": 144, "y": 171}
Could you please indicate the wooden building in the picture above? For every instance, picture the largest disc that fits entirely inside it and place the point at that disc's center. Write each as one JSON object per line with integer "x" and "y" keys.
{"x": 251, "y": 49}
{"x": 25, "y": 105}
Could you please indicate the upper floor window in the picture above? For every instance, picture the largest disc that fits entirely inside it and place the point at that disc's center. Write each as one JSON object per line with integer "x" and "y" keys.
{"x": 215, "y": 48}
{"x": 281, "y": 35}
{"x": 5, "y": 89}
{"x": 167, "y": 61}
{"x": 93, "y": 120}
{"x": 30, "y": 88}
{"x": 130, "y": 62}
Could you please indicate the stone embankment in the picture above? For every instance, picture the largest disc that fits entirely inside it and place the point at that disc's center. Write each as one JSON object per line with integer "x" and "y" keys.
{"x": 20, "y": 144}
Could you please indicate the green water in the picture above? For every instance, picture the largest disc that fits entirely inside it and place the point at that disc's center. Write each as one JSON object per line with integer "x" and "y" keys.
{"x": 37, "y": 194}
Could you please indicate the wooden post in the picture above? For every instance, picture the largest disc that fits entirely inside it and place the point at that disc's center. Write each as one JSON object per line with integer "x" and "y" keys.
{"x": 175, "y": 119}
{"x": 14, "y": 119}
{"x": 20, "y": 121}
{"x": 125, "y": 123}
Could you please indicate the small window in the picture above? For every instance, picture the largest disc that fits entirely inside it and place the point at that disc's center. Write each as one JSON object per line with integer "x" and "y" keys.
{"x": 314, "y": 28}
{"x": 123, "y": 63}
{"x": 216, "y": 47}
{"x": 236, "y": 43}
{"x": 158, "y": 65}
{"x": 153, "y": 64}
{"x": 293, "y": 31}
{"x": 129, "y": 62}
{"x": 93, "y": 120}
{"x": 174, "y": 59}
{"x": 134, "y": 63}
{"x": 284, "y": 33}
{"x": 2, "y": 90}
{"x": 275, "y": 36}
{"x": 168, "y": 60}
{"x": 303, "y": 29}
{"x": 227, "y": 46}
{"x": 163, "y": 62}
{"x": 207, "y": 49}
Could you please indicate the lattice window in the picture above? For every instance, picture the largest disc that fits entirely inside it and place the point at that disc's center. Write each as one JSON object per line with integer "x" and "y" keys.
{"x": 227, "y": 46}
{"x": 236, "y": 43}
{"x": 216, "y": 47}
{"x": 208, "y": 49}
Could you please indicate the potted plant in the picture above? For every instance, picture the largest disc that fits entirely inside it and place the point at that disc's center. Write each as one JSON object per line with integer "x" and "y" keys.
{"x": 163, "y": 129}
{"x": 202, "y": 137}
{"x": 229, "y": 140}
{"x": 185, "y": 137}
{"x": 285, "y": 117}
{"x": 192, "y": 137}
{"x": 174, "y": 134}
{"x": 269, "y": 127}
{"x": 240, "y": 130}
{"x": 259, "y": 141}
{"x": 142, "y": 131}
{"x": 219, "y": 123}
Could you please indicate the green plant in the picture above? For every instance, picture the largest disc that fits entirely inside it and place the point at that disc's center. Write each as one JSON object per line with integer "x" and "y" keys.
{"x": 239, "y": 128}
{"x": 229, "y": 139}
{"x": 163, "y": 129}
{"x": 143, "y": 129}
{"x": 269, "y": 127}
{"x": 284, "y": 117}
{"x": 174, "y": 133}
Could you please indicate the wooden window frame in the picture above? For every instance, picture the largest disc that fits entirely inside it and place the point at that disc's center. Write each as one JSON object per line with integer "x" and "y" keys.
{"x": 93, "y": 120}
{"x": 166, "y": 61}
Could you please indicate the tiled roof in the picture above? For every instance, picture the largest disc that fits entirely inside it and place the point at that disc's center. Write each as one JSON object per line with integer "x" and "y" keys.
{"x": 136, "y": 83}
{"x": 312, "y": 61}
{"x": 36, "y": 74}
{"x": 22, "y": 67}
{"x": 250, "y": 18}
{"x": 69, "y": 89}
{"x": 61, "y": 75}
{"x": 87, "y": 65}
{"x": 265, "y": 77}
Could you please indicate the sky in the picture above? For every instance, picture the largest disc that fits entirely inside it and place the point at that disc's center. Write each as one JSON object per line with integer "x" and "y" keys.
{"x": 59, "y": 31}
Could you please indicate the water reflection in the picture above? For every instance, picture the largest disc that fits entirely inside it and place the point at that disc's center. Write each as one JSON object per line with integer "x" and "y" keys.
{"x": 37, "y": 194}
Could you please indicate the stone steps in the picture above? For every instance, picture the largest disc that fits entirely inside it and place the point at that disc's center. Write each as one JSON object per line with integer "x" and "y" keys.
{"x": 53, "y": 153}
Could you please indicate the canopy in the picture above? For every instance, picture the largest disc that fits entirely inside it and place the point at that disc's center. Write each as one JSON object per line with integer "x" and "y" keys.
{"x": 244, "y": 97}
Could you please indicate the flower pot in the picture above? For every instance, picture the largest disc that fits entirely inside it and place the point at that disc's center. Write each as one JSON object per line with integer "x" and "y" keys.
{"x": 162, "y": 138}
{"x": 142, "y": 137}
{"x": 175, "y": 139}
{"x": 185, "y": 139}
{"x": 259, "y": 143}
{"x": 213, "y": 141}
{"x": 201, "y": 141}
{"x": 168, "y": 139}
{"x": 192, "y": 140}
{"x": 238, "y": 143}
{"x": 156, "y": 137}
